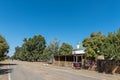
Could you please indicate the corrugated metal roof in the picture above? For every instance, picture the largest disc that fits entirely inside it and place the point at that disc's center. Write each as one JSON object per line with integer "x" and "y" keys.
{"x": 78, "y": 51}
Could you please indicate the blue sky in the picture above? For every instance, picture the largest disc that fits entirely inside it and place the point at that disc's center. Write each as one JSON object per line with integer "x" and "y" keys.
{"x": 68, "y": 20}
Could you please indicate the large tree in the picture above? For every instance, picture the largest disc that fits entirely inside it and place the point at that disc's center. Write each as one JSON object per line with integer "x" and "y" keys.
{"x": 108, "y": 45}
{"x": 112, "y": 46}
{"x": 94, "y": 45}
{"x": 31, "y": 49}
{"x": 3, "y": 47}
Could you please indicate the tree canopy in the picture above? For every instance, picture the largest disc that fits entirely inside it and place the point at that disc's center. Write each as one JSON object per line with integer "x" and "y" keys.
{"x": 35, "y": 49}
{"x": 32, "y": 49}
{"x": 65, "y": 49}
{"x": 98, "y": 44}
{"x": 112, "y": 46}
{"x": 94, "y": 44}
{"x": 3, "y": 47}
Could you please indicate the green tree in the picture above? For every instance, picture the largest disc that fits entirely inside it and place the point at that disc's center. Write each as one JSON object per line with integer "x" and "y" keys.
{"x": 34, "y": 47}
{"x": 3, "y": 48}
{"x": 65, "y": 49}
{"x": 19, "y": 53}
{"x": 112, "y": 46}
{"x": 31, "y": 49}
{"x": 94, "y": 45}
{"x": 106, "y": 45}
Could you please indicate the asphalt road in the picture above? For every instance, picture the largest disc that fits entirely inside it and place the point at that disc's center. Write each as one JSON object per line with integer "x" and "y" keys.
{"x": 31, "y": 71}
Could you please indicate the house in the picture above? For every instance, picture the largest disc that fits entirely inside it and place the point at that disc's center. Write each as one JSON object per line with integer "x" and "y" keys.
{"x": 77, "y": 56}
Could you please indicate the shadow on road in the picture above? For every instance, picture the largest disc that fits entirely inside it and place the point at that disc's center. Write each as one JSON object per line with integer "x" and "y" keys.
{"x": 4, "y": 68}
{"x": 5, "y": 71}
{"x": 2, "y": 64}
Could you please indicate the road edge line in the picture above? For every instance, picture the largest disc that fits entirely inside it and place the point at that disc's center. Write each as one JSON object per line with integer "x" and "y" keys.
{"x": 9, "y": 76}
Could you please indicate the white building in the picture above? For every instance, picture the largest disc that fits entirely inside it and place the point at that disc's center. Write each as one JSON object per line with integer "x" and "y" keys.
{"x": 79, "y": 54}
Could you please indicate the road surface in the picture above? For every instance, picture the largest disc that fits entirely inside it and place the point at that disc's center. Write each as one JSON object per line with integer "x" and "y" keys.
{"x": 19, "y": 70}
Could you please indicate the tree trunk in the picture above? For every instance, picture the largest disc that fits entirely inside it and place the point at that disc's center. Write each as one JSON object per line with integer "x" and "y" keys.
{"x": 59, "y": 61}
{"x": 52, "y": 58}
{"x": 65, "y": 60}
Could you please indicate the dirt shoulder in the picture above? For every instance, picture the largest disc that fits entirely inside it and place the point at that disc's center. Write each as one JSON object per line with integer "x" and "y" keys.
{"x": 89, "y": 73}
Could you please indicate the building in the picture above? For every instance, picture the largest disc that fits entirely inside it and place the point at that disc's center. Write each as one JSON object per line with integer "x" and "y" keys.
{"x": 77, "y": 56}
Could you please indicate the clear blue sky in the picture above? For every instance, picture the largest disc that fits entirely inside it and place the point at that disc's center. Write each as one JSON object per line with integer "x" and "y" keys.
{"x": 68, "y": 20}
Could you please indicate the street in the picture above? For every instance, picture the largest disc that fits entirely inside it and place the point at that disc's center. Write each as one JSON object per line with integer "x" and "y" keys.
{"x": 19, "y": 70}
{"x": 41, "y": 72}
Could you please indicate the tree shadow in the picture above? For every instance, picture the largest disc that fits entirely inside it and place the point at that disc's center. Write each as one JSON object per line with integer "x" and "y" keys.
{"x": 4, "y": 68}
{"x": 5, "y": 71}
{"x": 2, "y": 64}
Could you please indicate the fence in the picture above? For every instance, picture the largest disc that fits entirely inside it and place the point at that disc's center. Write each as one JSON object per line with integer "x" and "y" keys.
{"x": 108, "y": 66}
